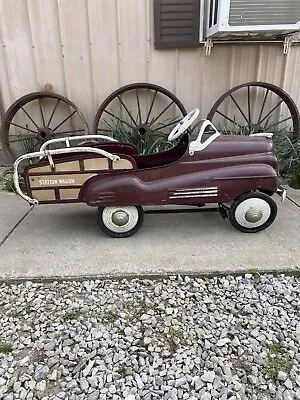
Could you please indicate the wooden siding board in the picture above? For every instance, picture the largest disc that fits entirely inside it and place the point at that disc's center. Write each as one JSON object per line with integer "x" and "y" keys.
{"x": 5, "y": 90}
{"x": 77, "y": 54}
{"x": 16, "y": 36}
{"x": 133, "y": 21}
{"x": 47, "y": 50}
{"x": 103, "y": 27}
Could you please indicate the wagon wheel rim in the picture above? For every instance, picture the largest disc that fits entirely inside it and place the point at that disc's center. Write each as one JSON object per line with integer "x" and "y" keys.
{"x": 270, "y": 110}
{"x": 142, "y": 121}
{"x": 37, "y": 123}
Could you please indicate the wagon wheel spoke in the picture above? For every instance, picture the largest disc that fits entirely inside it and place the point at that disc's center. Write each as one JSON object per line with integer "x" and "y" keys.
{"x": 23, "y": 127}
{"x": 169, "y": 124}
{"x": 28, "y": 115}
{"x": 53, "y": 112}
{"x": 161, "y": 113}
{"x": 72, "y": 131}
{"x": 139, "y": 106}
{"x": 104, "y": 130}
{"x": 128, "y": 112}
{"x": 249, "y": 106}
{"x": 151, "y": 106}
{"x": 239, "y": 108}
{"x": 65, "y": 120}
{"x": 263, "y": 105}
{"x": 279, "y": 122}
{"x": 119, "y": 119}
{"x": 229, "y": 119}
{"x": 42, "y": 114}
{"x": 22, "y": 138}
{"x": 270, "y": 112}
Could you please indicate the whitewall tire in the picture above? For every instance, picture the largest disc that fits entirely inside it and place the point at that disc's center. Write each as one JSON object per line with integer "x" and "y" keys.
{"x": 120, "y": 221}
{"x": 252, "y": 212}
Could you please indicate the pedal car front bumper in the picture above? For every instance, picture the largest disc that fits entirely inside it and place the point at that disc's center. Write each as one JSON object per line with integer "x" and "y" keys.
{"x": 281, "y": 192}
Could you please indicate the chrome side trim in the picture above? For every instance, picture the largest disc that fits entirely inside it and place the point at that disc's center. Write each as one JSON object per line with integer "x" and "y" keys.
{"x": 194, "y": 195}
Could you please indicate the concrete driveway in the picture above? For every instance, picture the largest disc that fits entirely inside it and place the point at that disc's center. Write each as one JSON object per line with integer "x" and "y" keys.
{"x": 64, "y": 241}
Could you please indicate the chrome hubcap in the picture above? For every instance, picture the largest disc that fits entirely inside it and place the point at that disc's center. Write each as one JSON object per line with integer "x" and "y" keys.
{"x": 120, "y": 218}
{"x": 254, "y": 214}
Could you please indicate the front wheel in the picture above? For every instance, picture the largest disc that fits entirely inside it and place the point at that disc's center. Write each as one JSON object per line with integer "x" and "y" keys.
{"x": 122, "y": 221}
{"x": 252, "y": 212}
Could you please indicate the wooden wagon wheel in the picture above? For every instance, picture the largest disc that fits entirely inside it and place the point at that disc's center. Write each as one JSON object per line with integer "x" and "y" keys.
{"x": 139, "y": 113}
{"x": 36, "y": 118}
{"x": 256, "y": 107}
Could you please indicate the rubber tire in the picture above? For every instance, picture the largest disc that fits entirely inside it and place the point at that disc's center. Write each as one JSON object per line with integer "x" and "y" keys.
{"x": 240, "y": 199}
{"x": 123, "y": 234}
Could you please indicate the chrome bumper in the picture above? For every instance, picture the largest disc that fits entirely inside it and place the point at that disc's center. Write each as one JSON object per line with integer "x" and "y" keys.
{"x": 282, "y": 192}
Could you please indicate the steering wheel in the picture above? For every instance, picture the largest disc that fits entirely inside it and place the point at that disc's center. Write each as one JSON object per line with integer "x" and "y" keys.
{"x": 183, "y": 125}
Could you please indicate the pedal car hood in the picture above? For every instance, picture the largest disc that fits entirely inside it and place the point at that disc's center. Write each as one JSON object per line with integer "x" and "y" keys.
{"x": 228, "y": 146}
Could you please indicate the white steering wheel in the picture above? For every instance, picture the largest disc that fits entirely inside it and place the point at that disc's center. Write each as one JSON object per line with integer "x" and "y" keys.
{"x": 183, "y": 125}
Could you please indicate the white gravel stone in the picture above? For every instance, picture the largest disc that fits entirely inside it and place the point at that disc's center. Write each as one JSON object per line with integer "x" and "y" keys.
{"x": 206, "y": 396}
{"x": 84, "y": 385}
{"x": 208, "y": 376}
{"x": 223, "y": 342}
{"x": 288, "y": 384}
{"x": 2, "y": 381}
{"x": 282, "y": 375}
{"x": 41, "y": 386}
{"x": 128, "y": 331}
{"x": 88, "y": 368}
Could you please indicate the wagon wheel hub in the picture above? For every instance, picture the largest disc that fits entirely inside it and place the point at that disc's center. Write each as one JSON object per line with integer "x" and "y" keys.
{"x": 45, "y": 133}
{"x": 142, "y": 130}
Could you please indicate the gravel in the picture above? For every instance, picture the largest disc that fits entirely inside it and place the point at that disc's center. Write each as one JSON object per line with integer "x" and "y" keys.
{"x": 174, "y": 338}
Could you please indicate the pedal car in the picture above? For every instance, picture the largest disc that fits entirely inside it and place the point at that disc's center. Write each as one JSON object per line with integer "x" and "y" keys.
{"x": 238, "y": 173}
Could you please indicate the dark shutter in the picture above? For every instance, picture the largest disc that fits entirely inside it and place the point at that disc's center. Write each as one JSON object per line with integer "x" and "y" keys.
{"x": 176, "y": 23}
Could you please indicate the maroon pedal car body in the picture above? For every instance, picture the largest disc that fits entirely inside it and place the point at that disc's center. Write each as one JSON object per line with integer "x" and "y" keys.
{"x": 236, "y": 172}
{"x": 229, "y": 167}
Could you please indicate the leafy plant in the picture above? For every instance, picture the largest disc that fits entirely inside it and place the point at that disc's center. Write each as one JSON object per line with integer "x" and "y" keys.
{"x": 28, "y": 143}
{"x": 72, "y": 314}
{"x": 5, "y": 348}
{"x": 287, "y": 150}
{"x": 110, "y": 316}
{"x": 8, "y": 182}
{"x": 146, "y": 144}
{"x": 277, "y": 360}
{"x": 255, "y": 273}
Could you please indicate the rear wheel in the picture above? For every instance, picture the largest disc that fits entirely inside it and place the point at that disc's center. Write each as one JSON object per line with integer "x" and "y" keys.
{"x": 122, "y": 221}
{"x": 252, "y": 212}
